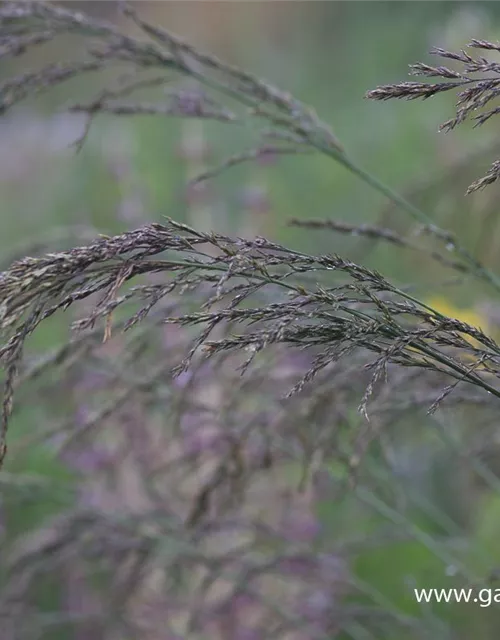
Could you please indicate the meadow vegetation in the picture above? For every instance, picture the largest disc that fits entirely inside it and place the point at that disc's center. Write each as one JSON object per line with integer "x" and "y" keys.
{"x": 209, "y": 434}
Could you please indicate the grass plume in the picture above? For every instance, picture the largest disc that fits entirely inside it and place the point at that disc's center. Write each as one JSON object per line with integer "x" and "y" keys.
{"x": 200, "y": 485}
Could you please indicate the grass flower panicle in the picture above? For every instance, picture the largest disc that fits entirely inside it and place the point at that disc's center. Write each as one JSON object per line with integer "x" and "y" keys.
{"x": 252, "y": 428}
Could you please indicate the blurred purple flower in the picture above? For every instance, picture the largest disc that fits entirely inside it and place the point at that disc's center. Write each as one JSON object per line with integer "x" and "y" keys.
{"x": 88, "y": 459}
{"x": 190, "y": 421}
{"x": 92, "y": 498}
{"x": 298, "y": 566}
{"x": 82, "y": 414}
{"x": 204, "y": 439}
{"x": 229, "y": 619}
{"x": 92, "y": 380}
{"x": 172, "y": 336}
{"x": 183, "y": 379}
{"x": 81, "y": 601}
{"x": 300, "y": 525}
{"x": 247, "y": 633}
{"x": 316, "y": 606}
{"x": 333, "y": 569}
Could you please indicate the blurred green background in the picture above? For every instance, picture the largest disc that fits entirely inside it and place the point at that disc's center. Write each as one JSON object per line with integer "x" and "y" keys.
{"x": 134, "y": 170}
{"x": 328, "y": 55}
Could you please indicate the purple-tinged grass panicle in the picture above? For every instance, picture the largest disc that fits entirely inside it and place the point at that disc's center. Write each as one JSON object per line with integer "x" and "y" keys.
{"x": 476, "y": 92}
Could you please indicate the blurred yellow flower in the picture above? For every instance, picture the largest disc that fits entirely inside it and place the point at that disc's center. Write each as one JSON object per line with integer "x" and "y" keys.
{"x": 467, "y": 315}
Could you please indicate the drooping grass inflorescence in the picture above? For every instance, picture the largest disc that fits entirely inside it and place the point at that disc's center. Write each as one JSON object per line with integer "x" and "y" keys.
{"x": 208, "y": 395}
